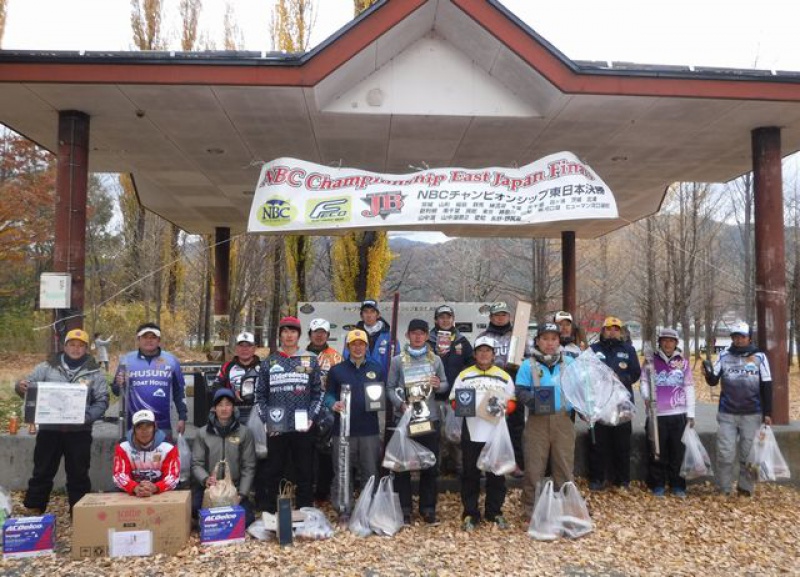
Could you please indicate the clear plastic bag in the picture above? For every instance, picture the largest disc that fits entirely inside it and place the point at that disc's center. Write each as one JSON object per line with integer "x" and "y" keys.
{"x": 385, "y": 513}
{"x": 359, "y": 520}
{"x": 545, "y": 525}
{"x": 185, "y": 457}
{"x": 575, "y": 520}
{"x": 259, "y": 430}
{"x": 595, "y": 391}
{"x": 405, "y": 454}
{"x": 315, "y": 526}
{"x": 765, "y": 461}
{"x": 696, "y": 462}
{"x": 223, "y": 493}
{"x": 497, "y": 455}
{"x": 452, "y": 425}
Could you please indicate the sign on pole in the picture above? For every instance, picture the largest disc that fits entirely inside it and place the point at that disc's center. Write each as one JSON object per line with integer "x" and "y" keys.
{"x": 55, "y": 290}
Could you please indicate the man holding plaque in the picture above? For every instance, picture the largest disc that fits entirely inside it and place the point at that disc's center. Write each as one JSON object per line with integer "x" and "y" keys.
{"x": 73, "y": 442}
{"x": 415, "y": 375}
{"x": 288, "y": 396}
{"x": 367, "y": 400}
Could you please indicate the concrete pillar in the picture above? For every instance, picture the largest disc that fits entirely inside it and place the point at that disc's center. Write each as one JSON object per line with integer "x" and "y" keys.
{"x": 222, "y": 262}
{"x": 72, "y": 173}
{"x": 569, "y": 299}
{"x": 771, "y": 263}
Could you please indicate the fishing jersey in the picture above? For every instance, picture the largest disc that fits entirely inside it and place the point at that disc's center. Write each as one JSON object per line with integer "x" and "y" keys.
{"x": 673, "y": 383}
{"x": 327, "y": 359}
{"x": 242, "y": 380}
{"x": 151, "y": 384}
{"x": 291, "y": 383}
{"x": 746, "y": 383}
{"x": 160, "y": 465}
{"x": 494, "y": 381}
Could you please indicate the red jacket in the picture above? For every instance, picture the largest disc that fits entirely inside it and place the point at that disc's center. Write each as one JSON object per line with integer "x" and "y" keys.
{"x": 160, "y": 465}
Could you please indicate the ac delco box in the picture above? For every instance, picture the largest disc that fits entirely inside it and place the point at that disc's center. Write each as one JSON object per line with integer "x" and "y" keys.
{"x": 167, "y": 516}
{"x": 222, "y": 525}
{"x": 29, "y": 536}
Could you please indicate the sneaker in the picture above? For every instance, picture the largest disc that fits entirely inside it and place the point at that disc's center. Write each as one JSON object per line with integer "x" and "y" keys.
{"x": 679, "y": 493}
{"x": 596, "y": 486}
{"x": 659, "y": 492}
{"x": 501, "y": 522}
{"x": 468, "y": 524}
{"x": 430, "y": 519}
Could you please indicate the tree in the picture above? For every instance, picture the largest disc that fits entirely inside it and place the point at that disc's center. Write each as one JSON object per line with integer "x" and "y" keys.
{"x": 146, "y": 20}
{"x": 3, "y": 12}
{"x": 291, "y": 25}
{"x": 361, "y": 5}
{"x": 233, "y": 37}
{"x": 190, "y": 15}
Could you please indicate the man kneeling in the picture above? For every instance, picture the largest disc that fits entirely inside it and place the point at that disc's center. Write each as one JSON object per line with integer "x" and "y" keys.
{"x": 145, "y": 463}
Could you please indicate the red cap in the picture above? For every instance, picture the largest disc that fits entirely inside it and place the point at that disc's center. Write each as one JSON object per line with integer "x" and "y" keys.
{"x": 290, "y": 322}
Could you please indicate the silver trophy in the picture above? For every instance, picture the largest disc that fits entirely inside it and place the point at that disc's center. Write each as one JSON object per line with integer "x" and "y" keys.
{"x": 417, "y": 377}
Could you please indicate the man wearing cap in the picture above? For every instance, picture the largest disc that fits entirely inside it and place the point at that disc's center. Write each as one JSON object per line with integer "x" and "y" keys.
{"x": 456, "y": 354}
{"x": 486, "y": 379}
{"x": 365, "y": 441}
{"x": 240, "y": 375}
{"x": 571, "y": 343}
{"x": 500, "y": 330}
{"x": 744, "y": 404}
{"x": 319, "y": 331}
{"x": 145, "y": 463}
{"x": 288, "y": 398}
{"x": 224, "y": 438}
{"x": 418, "y": 358}
{"x": 379, "y": 333}
{"x": 611, "y": 451}
{"x": 72, "y": 442}
{"x": 670, "y": 375}
{"x": 151, "y": 379}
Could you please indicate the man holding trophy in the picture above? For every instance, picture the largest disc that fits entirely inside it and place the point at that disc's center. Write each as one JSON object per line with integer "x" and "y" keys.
{"x": 415, "y": 375}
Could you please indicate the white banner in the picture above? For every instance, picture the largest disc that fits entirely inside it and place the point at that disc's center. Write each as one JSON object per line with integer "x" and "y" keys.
{"x": 61, "y": 404}
{"x": 294, "y": 195}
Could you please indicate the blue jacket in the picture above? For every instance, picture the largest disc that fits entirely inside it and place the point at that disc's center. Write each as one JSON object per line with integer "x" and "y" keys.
{"x": 548, "y": 377}
{"x": 152, "y": 383}
{"x": 621, "y": 357}
{"x": 380, "y": 346}
{"x": 362, "y": 422}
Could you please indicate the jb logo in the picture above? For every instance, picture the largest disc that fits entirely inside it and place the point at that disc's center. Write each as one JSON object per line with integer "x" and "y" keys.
{"x": 383, "y": 204}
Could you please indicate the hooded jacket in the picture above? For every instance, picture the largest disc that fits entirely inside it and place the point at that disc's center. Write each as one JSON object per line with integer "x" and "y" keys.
{"x": 458, "y": 358}
{"x": 379, "y": 348}
{"x": 158, "y": 463}
{"x": 54, "y": 371}
{"x": 234, "y": 443}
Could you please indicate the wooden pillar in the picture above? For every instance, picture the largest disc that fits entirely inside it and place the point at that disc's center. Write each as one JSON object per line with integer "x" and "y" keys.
{"x": 770, "y": 263}
{"x": 222, "y": 262}
{"x": 568, "y": 267}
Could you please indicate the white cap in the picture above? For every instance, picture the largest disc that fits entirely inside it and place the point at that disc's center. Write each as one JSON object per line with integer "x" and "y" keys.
{"x": 740, "y": 329}
{"x": 245, "y": 337}
{"x": 143, "y": 416}
{"x": 562, "y": 316}
{"x": 317, "y": 324}
{"x": 146, "y": 330}
{"x": 668, "y": 333}
{"x": 484, "y": 341}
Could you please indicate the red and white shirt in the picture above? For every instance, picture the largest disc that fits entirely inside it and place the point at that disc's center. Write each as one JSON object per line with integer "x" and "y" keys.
{"x": 160, "y": 465}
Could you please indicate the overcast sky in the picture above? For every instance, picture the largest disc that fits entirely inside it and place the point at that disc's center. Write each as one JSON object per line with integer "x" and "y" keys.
{"x": 734, "y": 33}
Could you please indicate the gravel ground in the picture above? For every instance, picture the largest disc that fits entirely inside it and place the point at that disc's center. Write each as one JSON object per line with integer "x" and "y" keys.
{"x": 635, "y": 534}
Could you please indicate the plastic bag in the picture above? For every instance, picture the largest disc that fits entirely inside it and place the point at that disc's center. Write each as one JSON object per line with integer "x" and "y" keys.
{"x": 385, "y": 513}
{"x": 359, "y": 520}
{"x": 696, "y": 462}
{"x": 315, "y": 526}
{"x": 452, "y": 425}
{"x": 259, "y": 430}
{"x": 765, "y": 461}
{"x": 258, "y": 531}
{"x": 223, "y": 493}
{"x": 545, "y": 525}
{"x": 405, "y": 454}
{"x": 595, "y": 391}
{"x": 497, "y": 455}
{"x": 185, "y": 458}
{"x": 574, "y": 521}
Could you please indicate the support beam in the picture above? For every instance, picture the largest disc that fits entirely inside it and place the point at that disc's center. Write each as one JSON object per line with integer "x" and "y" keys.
{"x": 72, "y": 173}
{"x": 771, "y": 263}
{"x": 222, "y": 264}
{"x": 569, "y": 300}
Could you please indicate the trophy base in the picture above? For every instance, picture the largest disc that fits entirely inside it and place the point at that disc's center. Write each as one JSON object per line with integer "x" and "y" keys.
{"x": 417, "y": 428}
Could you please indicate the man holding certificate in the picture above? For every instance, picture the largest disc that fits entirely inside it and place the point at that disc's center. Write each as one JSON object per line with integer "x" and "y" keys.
{"x": 64, "y": 433}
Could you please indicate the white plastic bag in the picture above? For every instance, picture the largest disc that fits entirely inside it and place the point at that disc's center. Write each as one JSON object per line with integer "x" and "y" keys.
{"x": 185, "y": 457}
{"x": 405, "y": 454}
{"x": 258, "y": 531}
{"x": 385, "y": 513}
{"x": 497, "y": 455}
{"x": 452, "y": 425}
{"x": 574, "y": 521}
{"x": 223, "y": 493}
{"x": 315, "y": 526}
{"x": 765, "y": 461}
{"x": 696, "y": 462}
{"x": 359, "y": 520}
{"x": 259, "y": 431}
{"x": 545, "y": 524}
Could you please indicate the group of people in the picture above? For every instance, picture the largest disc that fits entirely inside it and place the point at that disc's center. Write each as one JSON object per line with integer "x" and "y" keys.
{"x": 296, "y": 396}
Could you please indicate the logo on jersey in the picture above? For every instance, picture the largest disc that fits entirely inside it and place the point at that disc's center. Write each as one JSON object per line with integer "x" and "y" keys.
{"x": 276, "y": 415}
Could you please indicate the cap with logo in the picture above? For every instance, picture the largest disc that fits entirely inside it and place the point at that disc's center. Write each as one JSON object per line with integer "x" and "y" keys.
{"x": 418, "y": 325}
{"x": 547, "y": 328}
{"x": 143, "y": 416}
{"x": 562, "y": 316}
{"x": 370, "y": 304}
{"x": 245, "y": 337}
{"x": 499, "y": 307}
{"x": 668, "y": 333}
{"x": 357, "y": 335}
{"x": 740, "y": 329}
{"x": 77, "y": 335}
{"x": 612, "y": 322}
{"x": 484, "y": 341}
{"x": 291, "y": 323}
{"x": 317, "y": 324}
{"x": 444, "y": 310}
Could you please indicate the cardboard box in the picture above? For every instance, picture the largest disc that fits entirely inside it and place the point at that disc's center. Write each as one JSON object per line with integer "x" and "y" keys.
{"x": 167, "y": 516}
{"x": 29, "y": 536}
{"x": 222, "y": 525}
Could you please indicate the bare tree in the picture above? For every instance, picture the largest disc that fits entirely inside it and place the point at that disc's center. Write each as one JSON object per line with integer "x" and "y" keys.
{"x": 3, "y": 12}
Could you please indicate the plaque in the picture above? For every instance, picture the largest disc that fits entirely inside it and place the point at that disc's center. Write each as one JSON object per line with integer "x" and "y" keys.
{"x": 416, "y": 428}
{"x": 465, "y": 402}
{"x": 443, "y": 342}
{"x": 277, "y": 420}
{"x": 544, "y": 400}
{"x": 374, "y": 397}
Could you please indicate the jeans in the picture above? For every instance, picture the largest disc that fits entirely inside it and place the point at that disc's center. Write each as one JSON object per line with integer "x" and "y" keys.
{"x": 733, "y": 428}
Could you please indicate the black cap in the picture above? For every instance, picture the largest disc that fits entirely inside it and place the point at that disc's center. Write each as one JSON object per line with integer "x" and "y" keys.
{"x": 418, "y": 325}
{"x": 548, "y": 328}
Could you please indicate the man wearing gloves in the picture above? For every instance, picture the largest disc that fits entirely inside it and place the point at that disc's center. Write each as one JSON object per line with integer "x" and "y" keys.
{"x": 418, "y": 368}
{"x": 72, "y": 442}
{"x": 674, "y": 390}
{"x": 744, "y": 403}
{"x": 485, "y": 379}
{"x": 145, "y": 463}
{"x": 224, "y": 439}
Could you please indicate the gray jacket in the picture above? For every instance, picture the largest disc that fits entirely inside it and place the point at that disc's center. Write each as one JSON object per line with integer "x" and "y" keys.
{"x": 90, "y": 374}
{"x": 237, "y": 447}
{"x": 396, "y": 384}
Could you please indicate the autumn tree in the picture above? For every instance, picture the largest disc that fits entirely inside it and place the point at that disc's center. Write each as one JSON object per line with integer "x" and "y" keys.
{"x": 361, "y": 5}
{"x": 3, "y": 12}
{"x": 233, "y": 39}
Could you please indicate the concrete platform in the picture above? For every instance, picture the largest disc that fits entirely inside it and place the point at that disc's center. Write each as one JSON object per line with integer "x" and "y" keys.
{"x": 16, "y": 452}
